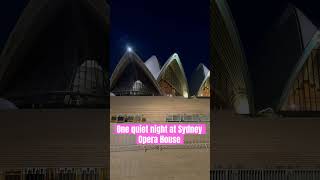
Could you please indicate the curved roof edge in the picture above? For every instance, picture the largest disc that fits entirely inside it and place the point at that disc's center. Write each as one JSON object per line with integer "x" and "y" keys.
{"x": 153, "y": 65}
{"x": 205, "y": 69}
{"x": 231, "y": 26}
{"x": 175, "y": 57}
{"x": 306, "y": 28}
{"x": 314, "y": 43}
{"x": 7, "y": 105}
{"x": 124, "y": 61}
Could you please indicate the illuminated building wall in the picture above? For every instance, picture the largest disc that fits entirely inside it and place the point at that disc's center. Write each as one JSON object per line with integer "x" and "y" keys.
{"x": 304, "y": 95}
{"x": 172, "y": 78}
{"x": 170, "y": 84}
{"x": 200, "y": 82}
{"x": 204, "y": 90}
{"x": 132, "y": 77}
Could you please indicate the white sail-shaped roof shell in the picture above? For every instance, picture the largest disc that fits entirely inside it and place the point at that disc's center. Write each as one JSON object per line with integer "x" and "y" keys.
{"x": 180, "y": 73}
{"x": 232, "y": 63}
{"x": 132, "y": 58}
{"x": 153, "y": 65}
{"x": 198, "y": 79}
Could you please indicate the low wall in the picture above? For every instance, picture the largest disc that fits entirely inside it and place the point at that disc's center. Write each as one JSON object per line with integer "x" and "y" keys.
{"x": 54, "y": 138}
{"x": 241, "y": 142}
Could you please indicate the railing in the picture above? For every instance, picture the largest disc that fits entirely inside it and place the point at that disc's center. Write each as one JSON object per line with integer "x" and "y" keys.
{"x": 133, "y": 92}
{"x": 122, "y": 148}
{"x": 169, "y": 117}
{"x": 58, "y": 99}
{"x": 265, "y": 174}
{"x": 54, "y": 174}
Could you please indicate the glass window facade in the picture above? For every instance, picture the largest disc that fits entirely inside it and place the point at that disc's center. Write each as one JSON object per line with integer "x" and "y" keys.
{"x": 172, "y": 79}
{"x": 89, "y": 78}
{"x": 204, "y": 90}
{"x": 304, "y": 95}
{"x": 170, "y": 83}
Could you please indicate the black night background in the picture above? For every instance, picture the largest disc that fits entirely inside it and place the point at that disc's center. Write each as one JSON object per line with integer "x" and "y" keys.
{"x": 255, "y": 19}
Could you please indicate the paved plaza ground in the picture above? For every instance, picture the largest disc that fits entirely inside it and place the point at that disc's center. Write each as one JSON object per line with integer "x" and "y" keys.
{"x": 168, "y": 164}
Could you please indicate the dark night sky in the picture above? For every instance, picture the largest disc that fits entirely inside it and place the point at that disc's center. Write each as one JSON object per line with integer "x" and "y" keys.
{"x": 161, "y": 28}
{"x": 255, "y": 18}
{"x": 10, "y": 11}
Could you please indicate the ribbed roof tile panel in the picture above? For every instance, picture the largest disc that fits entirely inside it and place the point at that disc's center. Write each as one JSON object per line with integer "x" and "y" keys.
{"x": 227, "y": 44}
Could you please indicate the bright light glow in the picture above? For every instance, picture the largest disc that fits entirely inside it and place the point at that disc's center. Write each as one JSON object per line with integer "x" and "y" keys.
{"x": 129, "y": 49}
{"x": 185, "y": 95}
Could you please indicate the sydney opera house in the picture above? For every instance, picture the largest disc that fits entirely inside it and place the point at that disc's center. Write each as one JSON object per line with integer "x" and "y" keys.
{"x": 266, "y": 119}
{"x": 133, "y": 77}
{"x": 147, "y": 92}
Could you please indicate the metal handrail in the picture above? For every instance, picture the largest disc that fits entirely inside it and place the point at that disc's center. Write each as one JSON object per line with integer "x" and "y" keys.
{"x": 124, "y": 148}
